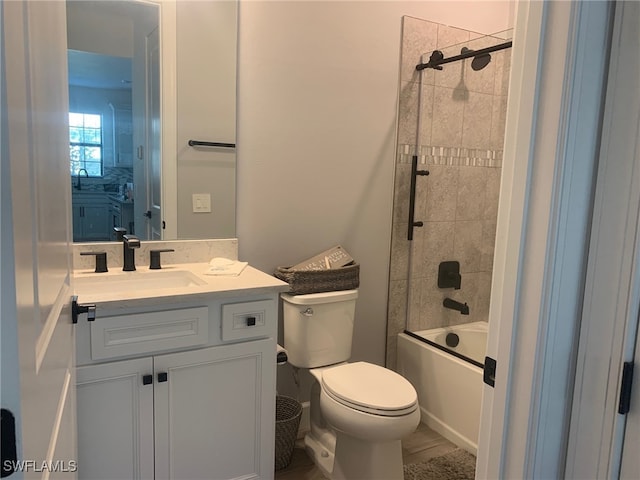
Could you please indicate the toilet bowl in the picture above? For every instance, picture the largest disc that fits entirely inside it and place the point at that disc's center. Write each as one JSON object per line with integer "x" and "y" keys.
{"x": 365, "y": 410}
{"x": 358, "y": 411}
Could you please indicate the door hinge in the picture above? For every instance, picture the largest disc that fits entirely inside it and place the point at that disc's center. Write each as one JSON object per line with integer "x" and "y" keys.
{"x": 625, "y": 388}
{"x": 489, "y": 373}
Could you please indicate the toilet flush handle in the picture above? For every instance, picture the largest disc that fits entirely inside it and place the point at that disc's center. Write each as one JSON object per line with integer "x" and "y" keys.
{"x": 308, "y": 312}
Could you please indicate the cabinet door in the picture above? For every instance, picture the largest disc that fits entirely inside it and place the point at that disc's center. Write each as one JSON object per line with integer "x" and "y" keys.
{"x": 115, "y": 421}
{"x": 95, "y": 221}
{"x": 215, "y": 413}
{"x": 77, "y": 223}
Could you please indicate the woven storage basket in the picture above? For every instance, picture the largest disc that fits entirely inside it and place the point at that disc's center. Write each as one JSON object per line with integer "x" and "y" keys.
{"x": 288, "y": 413}
{"x": 302, "y": 282}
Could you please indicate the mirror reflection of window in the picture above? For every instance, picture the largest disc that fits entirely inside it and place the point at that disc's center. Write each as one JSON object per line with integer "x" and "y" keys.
{"x": 85, "y": 144}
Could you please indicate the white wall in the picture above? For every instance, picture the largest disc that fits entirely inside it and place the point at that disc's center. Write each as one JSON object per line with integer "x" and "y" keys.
{"x": 317, "y": 99}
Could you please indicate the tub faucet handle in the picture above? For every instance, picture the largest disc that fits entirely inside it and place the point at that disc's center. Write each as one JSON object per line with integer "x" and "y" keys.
{"x": 308, "y": 312}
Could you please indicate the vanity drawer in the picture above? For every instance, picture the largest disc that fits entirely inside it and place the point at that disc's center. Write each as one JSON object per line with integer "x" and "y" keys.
{"x": 140, "y": 333}
{"x": 247, "y": 319}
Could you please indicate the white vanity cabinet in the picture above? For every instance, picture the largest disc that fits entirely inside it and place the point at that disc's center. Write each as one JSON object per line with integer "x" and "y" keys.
{"x": 196, "y": 402}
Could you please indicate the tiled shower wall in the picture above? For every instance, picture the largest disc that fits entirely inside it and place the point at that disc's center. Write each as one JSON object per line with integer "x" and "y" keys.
{"x": 459, "y": 141}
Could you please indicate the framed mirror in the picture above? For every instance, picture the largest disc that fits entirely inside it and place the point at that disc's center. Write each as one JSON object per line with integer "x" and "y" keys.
{"x": 137, "y": 95}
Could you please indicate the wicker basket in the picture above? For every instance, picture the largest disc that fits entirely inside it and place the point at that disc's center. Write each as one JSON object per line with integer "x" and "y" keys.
{"x": 302, "y": 282}
{"x": 288, "y": 413}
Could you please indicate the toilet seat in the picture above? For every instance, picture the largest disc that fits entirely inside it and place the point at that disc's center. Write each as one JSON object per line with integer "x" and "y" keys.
{"x": 370, "y": 388}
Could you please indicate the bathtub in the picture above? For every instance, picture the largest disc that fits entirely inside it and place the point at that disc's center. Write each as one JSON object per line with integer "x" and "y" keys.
{"x": 449, "y": 385}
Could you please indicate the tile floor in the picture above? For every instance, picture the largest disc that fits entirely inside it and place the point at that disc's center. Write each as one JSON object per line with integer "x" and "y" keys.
{"x": 420, "y": 446}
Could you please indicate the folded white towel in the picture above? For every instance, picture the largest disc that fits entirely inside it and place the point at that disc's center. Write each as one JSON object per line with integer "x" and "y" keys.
{"x": 224, "y": 266}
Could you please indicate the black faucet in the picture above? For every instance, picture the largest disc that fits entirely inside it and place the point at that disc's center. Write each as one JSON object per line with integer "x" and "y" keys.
{"x": 463, "y": 308}
{"x": 129, "y": 243}
{"x": 86, "y": 174}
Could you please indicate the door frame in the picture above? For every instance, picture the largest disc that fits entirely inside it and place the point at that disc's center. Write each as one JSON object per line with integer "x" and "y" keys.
{"x": 612, "y": 291}
{"x": 552, "y": 132}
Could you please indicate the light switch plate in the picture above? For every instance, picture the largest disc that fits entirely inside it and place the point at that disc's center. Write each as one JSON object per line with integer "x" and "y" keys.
{"x": 201, "y": 202}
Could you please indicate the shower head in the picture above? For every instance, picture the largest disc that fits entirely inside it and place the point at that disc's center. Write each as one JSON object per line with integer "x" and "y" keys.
{"x": 479, "y": 61}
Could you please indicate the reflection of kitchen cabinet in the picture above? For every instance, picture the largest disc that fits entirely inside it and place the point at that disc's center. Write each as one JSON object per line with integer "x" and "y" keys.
{"x": 123, "y": 135}
{"x": 90, "y": 217}
{"x": 181, "y": 394}
{"x": 121, "y": 215}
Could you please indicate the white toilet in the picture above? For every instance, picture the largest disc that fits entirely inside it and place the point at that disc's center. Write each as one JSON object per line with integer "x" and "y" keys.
{"x": 359, "y": 411}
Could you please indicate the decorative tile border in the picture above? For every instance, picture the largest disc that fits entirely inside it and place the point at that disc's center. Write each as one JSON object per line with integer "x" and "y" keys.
{"x": 450, "y": 156}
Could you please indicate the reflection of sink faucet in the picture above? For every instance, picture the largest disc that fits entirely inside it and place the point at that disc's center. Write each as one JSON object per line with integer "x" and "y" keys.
{"x": 463, "y": 308}
{"x": 86, "y": 174}
{"x": 129, "y": 243}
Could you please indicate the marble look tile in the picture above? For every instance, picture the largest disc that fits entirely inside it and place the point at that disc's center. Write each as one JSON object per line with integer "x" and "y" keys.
{"x": 472, "y": 182}
{"x": 476, "y": 129}
{"x": 397, "y": 311}
{"x": 450, "y": 41}
{"x": 426, "y": 115}
{"x": 482, "y": 81}
{"x": 475, "y": 293}
{"x": 391, "y": 355}
{"x": 467, "y": 247}
{"x": 186, "y": 251}
{"x": 498, "y": 121}
{"x": 437, "y": 245}
{"x": 416, "y": 253}
{"x": 414, "y": 303}
{"x": 488, "y": 245}
{"x": 408, "y": 113}
{"x": 402, "y": 189}
{"x": 418, "y": 36}
{"x": 492, "y": 194}
{"x": 399, "y": 264}
{"x": 441, "y": 194}
{"x": 503, "y": 72}
{"x": 446, "y": 129}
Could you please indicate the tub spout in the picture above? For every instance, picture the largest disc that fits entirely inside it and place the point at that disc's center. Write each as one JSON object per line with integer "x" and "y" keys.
{"x": 463, "y": 308}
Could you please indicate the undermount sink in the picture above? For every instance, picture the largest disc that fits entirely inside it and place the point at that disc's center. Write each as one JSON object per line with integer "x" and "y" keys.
{"x": 138, "y": 280}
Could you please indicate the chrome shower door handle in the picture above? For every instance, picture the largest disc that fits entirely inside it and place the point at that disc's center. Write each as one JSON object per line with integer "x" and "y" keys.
{"x": 308, "y": 312}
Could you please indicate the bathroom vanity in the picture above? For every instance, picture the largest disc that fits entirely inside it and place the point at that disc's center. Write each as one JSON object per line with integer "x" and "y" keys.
{"x": 176, "y": 375}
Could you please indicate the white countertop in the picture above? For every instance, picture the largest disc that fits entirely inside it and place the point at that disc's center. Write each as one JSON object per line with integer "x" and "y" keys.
{"x": 250, "y": 282}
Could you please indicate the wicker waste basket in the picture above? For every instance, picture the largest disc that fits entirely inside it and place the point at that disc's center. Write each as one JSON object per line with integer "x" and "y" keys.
{"x": 288, "y": 413}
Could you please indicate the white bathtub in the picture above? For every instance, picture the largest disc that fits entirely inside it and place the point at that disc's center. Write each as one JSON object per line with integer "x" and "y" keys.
{"x": 449, "y": 388}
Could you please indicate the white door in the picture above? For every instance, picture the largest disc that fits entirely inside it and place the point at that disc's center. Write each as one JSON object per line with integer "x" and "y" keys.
{"x": 154, "y": 160}
{"x": 146, "y": 95}
{"x": 37, "y": 333}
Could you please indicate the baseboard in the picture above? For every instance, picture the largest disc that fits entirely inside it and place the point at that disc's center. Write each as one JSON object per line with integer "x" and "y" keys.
{"x": 305, "y": 420}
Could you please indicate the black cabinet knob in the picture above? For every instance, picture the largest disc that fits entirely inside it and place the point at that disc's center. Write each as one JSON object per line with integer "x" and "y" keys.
{"x": 251, "y": 321}
{"x": 162, "y": 377}
{"x": 147, "y": 379}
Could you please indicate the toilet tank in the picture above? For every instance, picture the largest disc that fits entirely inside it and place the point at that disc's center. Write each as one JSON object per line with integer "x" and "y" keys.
{"x": 318, "y": 327}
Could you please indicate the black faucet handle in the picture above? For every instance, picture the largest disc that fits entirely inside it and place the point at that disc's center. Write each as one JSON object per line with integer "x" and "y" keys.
{"x": 131, "y": 241}
{"x": 120, "y": 233}
{"x": 154, "y": 263}
{"x": 101, "y": 261}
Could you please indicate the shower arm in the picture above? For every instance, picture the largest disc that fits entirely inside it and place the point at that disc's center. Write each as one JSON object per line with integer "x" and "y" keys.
{"x": 440, "y": 60}
{"x": 412, "y": 196}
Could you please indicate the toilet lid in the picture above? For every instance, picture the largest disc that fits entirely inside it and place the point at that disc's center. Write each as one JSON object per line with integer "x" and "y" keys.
{"x": 370, "y": 388}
